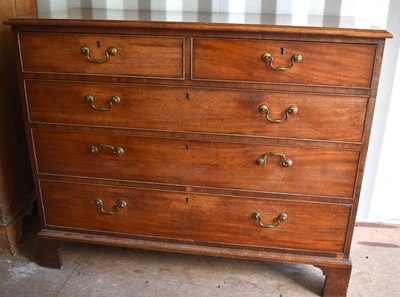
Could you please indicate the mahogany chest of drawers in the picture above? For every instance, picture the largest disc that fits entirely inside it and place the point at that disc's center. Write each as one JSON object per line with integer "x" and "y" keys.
{"x": 233, "y": 140}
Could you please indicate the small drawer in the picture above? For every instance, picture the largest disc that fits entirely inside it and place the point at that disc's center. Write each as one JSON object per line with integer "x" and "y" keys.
{"x": 198, "y": 110}
{"x": 138, "y": 56}
{"x": 294, "y": 170}
{"x": 196, "y": 218}
{"x": 330, "y": 64}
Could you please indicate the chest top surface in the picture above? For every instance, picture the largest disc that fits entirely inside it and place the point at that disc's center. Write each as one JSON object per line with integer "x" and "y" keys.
{"x": 210, "y": 21}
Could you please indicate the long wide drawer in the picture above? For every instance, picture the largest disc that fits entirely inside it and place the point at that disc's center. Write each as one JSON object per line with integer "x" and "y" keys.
{"x": 332, "y": 64}
{"x": 198, "y": 110}
{"x": 193, "y": 217}
{"x": 141, "y": 56}
{"x": 283, "y": 169}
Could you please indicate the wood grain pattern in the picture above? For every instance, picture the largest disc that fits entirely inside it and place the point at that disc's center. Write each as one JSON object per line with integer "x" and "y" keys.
{"x": 204, "y": 163}
{"x": 320, "y": 117}
{"x": 323, "y": 63}
{"x": 16, "y": 185}
{"x": 199, "y": 218}
{"x": 336, "y": 280}
{"x": 50, "y": 253}
{"x": 142, "y": 56}
{"x": 11, "y": 232}
{"x": 188, "y": 171}
{"x": 186, "y": 248}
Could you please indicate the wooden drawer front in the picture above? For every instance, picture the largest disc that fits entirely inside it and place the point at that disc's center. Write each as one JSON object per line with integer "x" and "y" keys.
{"x": 142, "y": 56}
{"x": 199, "y": 218}
{"x": 347, "y": 65}
{"x": 323, "y": 172}
{"x": 207, "y": 110}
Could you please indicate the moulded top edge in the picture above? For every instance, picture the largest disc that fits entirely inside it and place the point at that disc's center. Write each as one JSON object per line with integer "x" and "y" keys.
{"x": 207, "y": 21}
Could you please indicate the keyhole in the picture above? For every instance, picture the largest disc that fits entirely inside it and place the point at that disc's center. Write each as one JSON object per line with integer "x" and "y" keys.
{"x": 186, "y": 148}
{"x": 186, "y": 200}
{"x": 186, "y": 96}
{"x": 98, "y": 44}
{"x": 282, "y": 51}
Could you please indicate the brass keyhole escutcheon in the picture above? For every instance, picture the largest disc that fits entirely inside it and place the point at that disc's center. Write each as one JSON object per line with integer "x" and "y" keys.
{"x": 186, "y": 147}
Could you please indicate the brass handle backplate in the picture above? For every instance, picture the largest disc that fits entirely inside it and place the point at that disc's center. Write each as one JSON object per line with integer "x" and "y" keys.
{"x": 115, "y": 150}
{"x": 98, "y": 202}
{"x": 282, "y": 217}
{"x": 296, "y": 58}
{"x": 264, "y": 109}
{"x": 113, "y": 100}
{"x": 263, "y": 159}
{"x": 112, "y": 51}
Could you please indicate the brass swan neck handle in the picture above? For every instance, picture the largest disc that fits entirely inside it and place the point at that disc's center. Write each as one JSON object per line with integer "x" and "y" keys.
{"x": 296, "y": 58}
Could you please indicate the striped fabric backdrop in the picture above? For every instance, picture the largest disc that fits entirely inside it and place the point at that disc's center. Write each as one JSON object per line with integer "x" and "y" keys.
{"x": 299, "y": 10}
{"x": 295, "y": 7}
